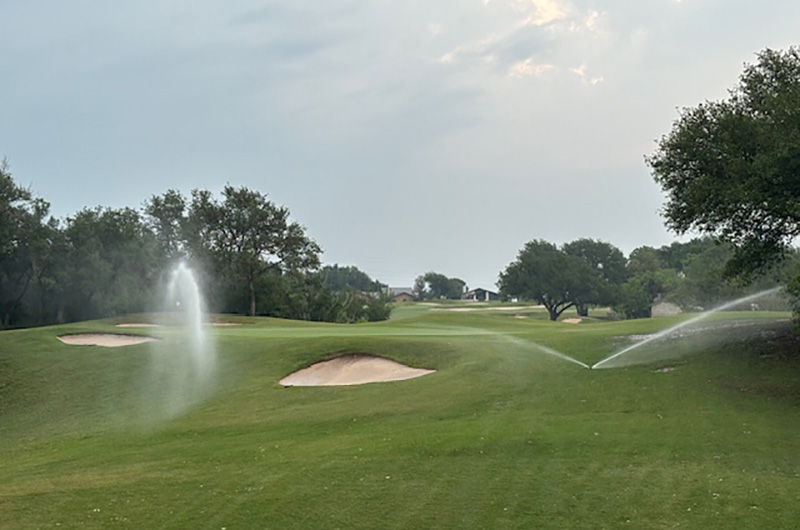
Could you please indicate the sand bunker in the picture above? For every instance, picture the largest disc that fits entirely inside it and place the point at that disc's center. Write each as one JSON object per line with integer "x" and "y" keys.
{"x": 353, "y": 369}
{"x": 110, "y": 340}
{"x": 572, "y": 320}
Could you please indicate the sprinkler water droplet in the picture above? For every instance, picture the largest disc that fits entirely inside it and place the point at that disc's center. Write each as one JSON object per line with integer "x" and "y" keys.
{"x": 608, "y": 361}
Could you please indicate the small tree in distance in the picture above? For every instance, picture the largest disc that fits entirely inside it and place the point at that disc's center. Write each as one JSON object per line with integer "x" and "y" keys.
{"x": 436, "y": 286}
{"x": 553, "y": 278}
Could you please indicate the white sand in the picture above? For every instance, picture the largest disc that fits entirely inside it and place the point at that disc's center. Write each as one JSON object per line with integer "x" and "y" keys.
{"x": 572, "y": 321}
{"x": 110, "y": 340}
{"x": 135, "y": 325}
{"x": 352, "y": 369}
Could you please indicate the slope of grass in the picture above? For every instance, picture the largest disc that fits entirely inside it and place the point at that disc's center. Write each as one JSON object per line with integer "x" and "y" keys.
{"x": 501, "y": 436}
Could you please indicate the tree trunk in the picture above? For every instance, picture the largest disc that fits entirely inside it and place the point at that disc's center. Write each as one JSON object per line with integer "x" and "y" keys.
{"x": 583, "y": 311}
{"x": 553, "y": 313}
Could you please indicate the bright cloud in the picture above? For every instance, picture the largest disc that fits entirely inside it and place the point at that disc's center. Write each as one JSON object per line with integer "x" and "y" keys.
{"x": 528, "y": 68}
{"x": 588, "y": 23}
{"x": 507, "y": 36}
{"x": 543, "y": 12}
{"x": 580, "y": 71}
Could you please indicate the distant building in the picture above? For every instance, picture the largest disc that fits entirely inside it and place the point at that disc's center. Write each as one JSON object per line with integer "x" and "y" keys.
{"x": 480, "y": 295}
{"x": 402, "y": 294}
{"x": 403, "y": 297}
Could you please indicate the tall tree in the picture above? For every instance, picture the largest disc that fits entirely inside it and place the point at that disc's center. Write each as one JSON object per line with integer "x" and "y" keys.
{"x": 23, "y": 243}
{"x": 731, "y": 168}
{"x": 608, "y": 261}
{"x": 166, "y": 216}
{"x": 437, "y": 286}
{"x": 110, "y": 266}
{"x": 546, "y": 274}
{"x": 644, "y": 259}
{"x": 248, "y": 236}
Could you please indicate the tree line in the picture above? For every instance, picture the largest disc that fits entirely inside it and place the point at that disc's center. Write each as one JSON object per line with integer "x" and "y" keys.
{"x": 250, "y": 257}
{"x": 588, "y": 272}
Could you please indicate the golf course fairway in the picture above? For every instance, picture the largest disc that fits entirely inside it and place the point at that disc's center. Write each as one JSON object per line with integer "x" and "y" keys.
{"x": 704, "y": 433}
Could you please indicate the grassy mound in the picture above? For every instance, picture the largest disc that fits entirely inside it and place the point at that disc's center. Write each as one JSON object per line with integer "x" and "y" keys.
{"x": 503, "y": 435}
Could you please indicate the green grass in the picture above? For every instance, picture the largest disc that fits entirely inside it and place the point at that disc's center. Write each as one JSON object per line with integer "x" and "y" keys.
{"x": 501, "y": 436}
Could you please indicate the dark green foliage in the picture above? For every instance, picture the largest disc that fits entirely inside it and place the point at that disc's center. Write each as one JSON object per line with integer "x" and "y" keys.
{"x": 640, "y": 291}
{"x": 544, "y": 273}
{"x": 436, "y": 286}
{"x": 704, "y": 282}
{"x": 645, "y": 259}
{"x": 110, "y": 264}
{"x": 24, "y": 236}
{"x": 349, "y": 277}
{"x": 691, "y": 274}
{"x": 166, "y": 216}
{"x": 247, "y": 236}
{"x": 732, "y": 168}
{"x": 608, "y": 261}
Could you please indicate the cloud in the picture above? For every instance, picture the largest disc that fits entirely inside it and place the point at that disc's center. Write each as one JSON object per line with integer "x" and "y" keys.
{"x": 543, "y": 12}
{"x": 589, "y": 23}
{"x": 580, "y": 71}
{"x": 517, "y": 39}
{"x": 528, "y": 68}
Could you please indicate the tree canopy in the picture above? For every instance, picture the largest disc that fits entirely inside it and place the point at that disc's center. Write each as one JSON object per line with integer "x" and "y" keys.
{"x": 341, "y": 278}
{"x": 552, "y": 277}
{"x": 248, "y": 235}
{"x": 731, "y": 168}
{"x": 24, "y": 236}
{"x": 437, "y": 286}
{"x": 610, "y": 264}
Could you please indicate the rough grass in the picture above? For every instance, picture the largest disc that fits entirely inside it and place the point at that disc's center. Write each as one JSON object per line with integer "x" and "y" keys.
{"x": 502, "y": 436}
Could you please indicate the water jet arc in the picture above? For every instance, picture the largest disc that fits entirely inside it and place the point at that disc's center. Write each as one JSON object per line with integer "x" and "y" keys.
{"x": 182, "y": 366}
{"x": 689, "y": 322}
{"x": 555, "y": 353}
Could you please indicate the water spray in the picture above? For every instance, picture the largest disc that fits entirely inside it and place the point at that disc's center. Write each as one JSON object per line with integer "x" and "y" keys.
{"x": 689, "y": 322}
{"x": 182, "y": 368}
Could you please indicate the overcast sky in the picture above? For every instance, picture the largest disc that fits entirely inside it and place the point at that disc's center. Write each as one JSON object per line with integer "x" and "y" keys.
{"x": 407, "y": 136}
